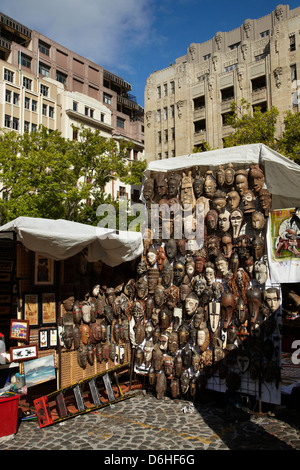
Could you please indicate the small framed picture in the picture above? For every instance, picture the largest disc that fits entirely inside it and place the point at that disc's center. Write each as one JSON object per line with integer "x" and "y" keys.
{"x": 53, "y": 338}
{"x": 31, "y": 309}
{"x": 43, "y": 339}
{"x": 43, "y": 270}
{"x": 23, "y": 353}
{"x": 19, "y": 330}
{"x": 48, "y": 308}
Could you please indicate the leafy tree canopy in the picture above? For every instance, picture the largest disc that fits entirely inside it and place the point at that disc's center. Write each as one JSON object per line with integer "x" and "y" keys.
{"x": 45, "y": 175}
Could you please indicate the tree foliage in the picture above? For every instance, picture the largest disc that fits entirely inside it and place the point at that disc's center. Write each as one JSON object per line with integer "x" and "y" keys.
{"x": 260, "y": 127}
{"x": 45, "y": 175}
{"x": 249, "y": 128}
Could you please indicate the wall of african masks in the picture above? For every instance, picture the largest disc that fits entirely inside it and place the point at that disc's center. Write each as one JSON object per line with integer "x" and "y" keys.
{"x": 95, "y": 301}
{"x": 204, "y": 310}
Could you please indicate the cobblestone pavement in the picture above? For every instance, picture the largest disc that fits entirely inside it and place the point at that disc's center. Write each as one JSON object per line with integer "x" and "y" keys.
{"x": 145, "y": 423}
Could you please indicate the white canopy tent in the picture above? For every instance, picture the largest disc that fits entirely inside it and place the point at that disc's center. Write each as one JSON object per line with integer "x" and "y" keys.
{"x": 60, "y": 239}
{"x": 282, "y": 176}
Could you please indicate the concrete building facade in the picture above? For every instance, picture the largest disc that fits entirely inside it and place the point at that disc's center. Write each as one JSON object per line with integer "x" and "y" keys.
{"x": 42, "y": 82}
{"x": 186, "y": 104}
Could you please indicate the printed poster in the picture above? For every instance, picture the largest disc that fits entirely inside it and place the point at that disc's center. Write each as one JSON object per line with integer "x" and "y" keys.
{"x": 284, "y": 245}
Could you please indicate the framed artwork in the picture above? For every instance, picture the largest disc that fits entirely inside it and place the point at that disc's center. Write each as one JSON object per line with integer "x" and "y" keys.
{"x": 53, "y": 338}
{"x": 48, "y": 308}
{"x": 39, "y": 370}
{"x": 43, "y": 339}
{"x": 19, "y": 330}
{"x": 48, "y": 338}
{"x": 31, "y": 309}
{"x": 23, "y": 353}
{"x": 43, "y": 270}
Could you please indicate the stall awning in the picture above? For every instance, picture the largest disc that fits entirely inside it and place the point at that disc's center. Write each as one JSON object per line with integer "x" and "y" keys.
{"x": 282, "y": 176}
{"x": 60, "y": 239}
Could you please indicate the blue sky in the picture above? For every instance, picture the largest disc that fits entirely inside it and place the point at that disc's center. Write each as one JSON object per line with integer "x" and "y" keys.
{"x": 133, "y": 38}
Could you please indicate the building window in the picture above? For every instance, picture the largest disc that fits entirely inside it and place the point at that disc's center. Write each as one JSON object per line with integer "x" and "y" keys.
{"x": 165, "y": 113}
{"x": 200, "y": 126}
{"x": 293, "y": 72}
{"x": 165, "y": 89}
{"x": 229, "y": 68}
{"x": 27, "y": 83}
{"x": 27, "y": 103}
{"x": 7, "y": 120}
{"x": 159, "y": 137}
{"x": 167, "y": 154}
{"x": 33, "y": 127}
{"x": 158, "y": 115}
{"x": 158, "y": 92}
{"x": 234, "y": 46}
{"x": 260, "y": 57}
{"x": 34, "y": 106}
{"x": 51, "y": 112}
{"x": 159, "y": 156}
{"x": 16, "y": 98}
{"x": 44, "y": 48}
{"x": 120, "y": 122}
{"x": 199, "y": 103}
{"x": 292, "y": 42}
{"x": 75, "y": 106}
{"x": 122, "y": 191}
{"x": 75, "y": 133}
{"x": 227, "y": 93}
{"x": 206, "y": 56}
{"x": 102, "y": 117}
{"x": 8, "y": 75}
{"x": 61, "y": 78}
{"x": 26, "y": 61}
{"x": 225, "y": 118}
{"x": 107, "y": 98}
{"x": 172, "y": 87}
{"x": 265, "y": 33}
{"x": 44, "y": 70}
{"x": 26, "y": 126}
{"x": 166, "y": 135}
{"x": 44, "y": 90}
{"x": 86, "y": 111}
{"x": 172, "y": 110}
{"x": 44, "y": 111}
{"x": 173, "y": 133}
{"x": 15, "y": 124}
{"x": 7, "y": 96}
{"x": 92, "y": 113}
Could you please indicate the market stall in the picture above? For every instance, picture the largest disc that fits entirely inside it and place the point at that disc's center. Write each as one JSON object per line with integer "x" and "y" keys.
{"x": 208, "y": 311}
{"x": 64, "y": 277}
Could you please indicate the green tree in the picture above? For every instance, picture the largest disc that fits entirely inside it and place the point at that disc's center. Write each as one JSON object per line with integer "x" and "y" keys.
{"x": 251, "y": 128}
{"x": 289, "y": 142}
{"x": 45, "y": 175}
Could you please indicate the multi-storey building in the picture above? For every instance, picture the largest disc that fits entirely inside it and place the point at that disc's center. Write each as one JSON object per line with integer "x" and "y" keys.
{"x": 42, "y": 82}
{"x": 186, "y": 104}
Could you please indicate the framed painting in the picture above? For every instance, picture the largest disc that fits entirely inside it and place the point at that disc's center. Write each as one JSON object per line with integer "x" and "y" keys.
{"x": 39, "y": 370}
{"x": 31, "y": 309}
{"x": 19, "y": 330}
{"x": 48, "y": 308}
{"x": 23, "y": 353}
{"x": 43, "y": 270}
